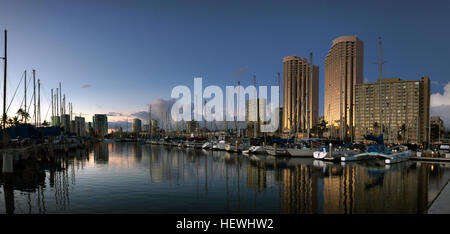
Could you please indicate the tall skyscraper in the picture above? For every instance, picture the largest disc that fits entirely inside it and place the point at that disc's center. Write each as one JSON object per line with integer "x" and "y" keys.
{"x": 100, "y": 125}
{"x": 80, "y": 126}
{"x": 256, "y": 107}
{"x": 136, "y": 125}
{"x": 400, "y": 111}
{"x": 300, "y": 94}
{"x": 343, "y": 70}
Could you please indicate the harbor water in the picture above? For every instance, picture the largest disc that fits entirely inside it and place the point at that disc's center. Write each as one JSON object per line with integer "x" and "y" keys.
{"x": 143, "y": 178}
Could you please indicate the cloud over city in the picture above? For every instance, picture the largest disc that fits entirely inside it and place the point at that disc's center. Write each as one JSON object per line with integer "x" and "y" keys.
{"x": 440, "y": 105}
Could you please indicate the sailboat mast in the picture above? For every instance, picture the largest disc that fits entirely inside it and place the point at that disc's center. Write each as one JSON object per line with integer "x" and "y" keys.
{"x": 150, "y": 120}
{"x": 279, "y": 98}
{"x": 60, "y": 100}
{"x": 25, "y": 93}
{"x": 53, "y": 108}
{"x": 311, "y": 67}
{"x": 380, "y": 70}
{"x": 255, "y": 125}
{"x": 39, "y": 103}
{"x": 34, "y": 97}
{"x": 4, "y": 82}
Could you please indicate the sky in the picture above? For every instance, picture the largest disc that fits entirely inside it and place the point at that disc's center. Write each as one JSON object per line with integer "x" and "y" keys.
{"x": 116, "y": 57}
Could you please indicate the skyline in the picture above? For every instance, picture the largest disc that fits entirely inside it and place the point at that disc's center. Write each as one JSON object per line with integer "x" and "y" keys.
{"x": 104, "y": 48}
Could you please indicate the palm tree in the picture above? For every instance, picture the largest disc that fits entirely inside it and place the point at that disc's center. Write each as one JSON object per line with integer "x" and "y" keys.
{"x": 22, "y": 113}
{"x": 375, "y": 127}
{"x": 9, "y": 122}
{"x": 403, "y": 130}
{"x": 4, "y": 119}
{"x": 15, "y": 121}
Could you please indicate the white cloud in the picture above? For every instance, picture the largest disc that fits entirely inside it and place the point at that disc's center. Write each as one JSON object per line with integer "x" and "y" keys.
{"x": 438, "y": 99}
{"x": 440, "y": 105}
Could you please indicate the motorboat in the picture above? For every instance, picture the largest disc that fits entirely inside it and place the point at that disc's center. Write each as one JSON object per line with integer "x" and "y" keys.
{"x": 255, "y": 149}
{"x": 277, "y": 152}
{"x": 301, "y": 152}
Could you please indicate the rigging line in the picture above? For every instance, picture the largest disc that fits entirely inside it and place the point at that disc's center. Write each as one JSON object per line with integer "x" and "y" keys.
{"x": 45, "y": 90}
{"x": 15, "y": 92}
{"x": 23, "y": 99}
{"x": 47, "y": 111}
{"x": 10, "y": 84}
{"x": 30, "y": 105}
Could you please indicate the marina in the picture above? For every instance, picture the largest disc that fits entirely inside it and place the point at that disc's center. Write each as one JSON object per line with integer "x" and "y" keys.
{"x": 130, "y": 177}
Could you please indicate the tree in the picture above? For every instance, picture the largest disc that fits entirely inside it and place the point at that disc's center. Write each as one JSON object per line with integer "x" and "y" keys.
{"x": 15, "y": 121}
{"x": 4, "y": 119}
{"x": 375, "y": 127}
{"x": 402, "y": 132}
{"x": 23, "y": 114}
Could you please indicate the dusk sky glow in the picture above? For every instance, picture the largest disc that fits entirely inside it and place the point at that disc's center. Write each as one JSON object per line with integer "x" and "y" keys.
{"x": 119, "y": 56}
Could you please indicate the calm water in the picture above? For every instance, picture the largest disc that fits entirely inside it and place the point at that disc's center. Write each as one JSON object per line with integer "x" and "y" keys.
{"x": 139, "y": 178}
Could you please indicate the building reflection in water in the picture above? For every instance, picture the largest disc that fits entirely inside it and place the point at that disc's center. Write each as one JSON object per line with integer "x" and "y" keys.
{"x": 101, "y": 153}
{"x": 230, "y": 182}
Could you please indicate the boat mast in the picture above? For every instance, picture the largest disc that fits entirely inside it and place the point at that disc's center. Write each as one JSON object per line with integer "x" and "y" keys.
{"x": 279, "y": 96}
{"x": 150, "y": 119}
{"x": 380, "y": 70}
{"x": 39, "y": 102}
{"x": 60, "y": 101}
{"x": 4, "y": 82}
{"x": 237, "y": 111}
{"x": 25, "y": 93}
{"x": 34, "y": 97}
{"x": 311, "y": 66}
{"x": 255, "y": 125}
{"x": 341, "y": 127}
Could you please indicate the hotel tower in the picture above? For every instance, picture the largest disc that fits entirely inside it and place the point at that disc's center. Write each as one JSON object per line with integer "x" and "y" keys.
{"x": 300, "y": 94}
{"x": 343, "y": 70}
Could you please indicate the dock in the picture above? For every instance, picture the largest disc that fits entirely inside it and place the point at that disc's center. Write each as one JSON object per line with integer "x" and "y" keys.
{"x": 441, "y": 204}
{"x": 430, "y": 159}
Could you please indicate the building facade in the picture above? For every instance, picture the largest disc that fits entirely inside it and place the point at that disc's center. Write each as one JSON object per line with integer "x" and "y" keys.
{"x": 255, "y": 116}
{"x": 100, "y": 124}
{"x": 136, "y": 125}
{"x": 343, "y": 71}
{"x": 65, "y": 123}
{"x": 437, "y": 129}
{"x": 192, "y": 126}
{"x": 56, "y": 121}
{"x": 80, "y": 126}
{"x": 300, "y": 94}
{"x": 398, "y": 109}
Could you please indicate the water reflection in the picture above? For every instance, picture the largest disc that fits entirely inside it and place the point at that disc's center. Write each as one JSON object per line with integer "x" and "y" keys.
{"x": 136, "y": 178}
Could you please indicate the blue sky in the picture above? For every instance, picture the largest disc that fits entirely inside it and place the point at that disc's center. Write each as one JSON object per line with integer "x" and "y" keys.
{"x": 129, "y": 53}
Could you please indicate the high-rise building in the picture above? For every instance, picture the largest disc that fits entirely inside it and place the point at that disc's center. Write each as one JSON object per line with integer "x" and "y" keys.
{"x": 300, "y": 95}
{"x": 56, "y": 121}
{"x": 256, "y": 115}
{"x": 136, "y": 125}
{"x": 146, "y": 128}
{"x": 100, "y": 122}
{"x": 192, "y": 126}
{"x": 400, "y": 111}
{"x": 437, "y": 129}
{"x": 343, "y": 70}
{"x": 65, "y": 122}
{"x": 80, "y": 126}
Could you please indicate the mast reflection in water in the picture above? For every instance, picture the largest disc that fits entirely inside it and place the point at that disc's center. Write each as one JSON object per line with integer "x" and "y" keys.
{"x": 139, "y": 178}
